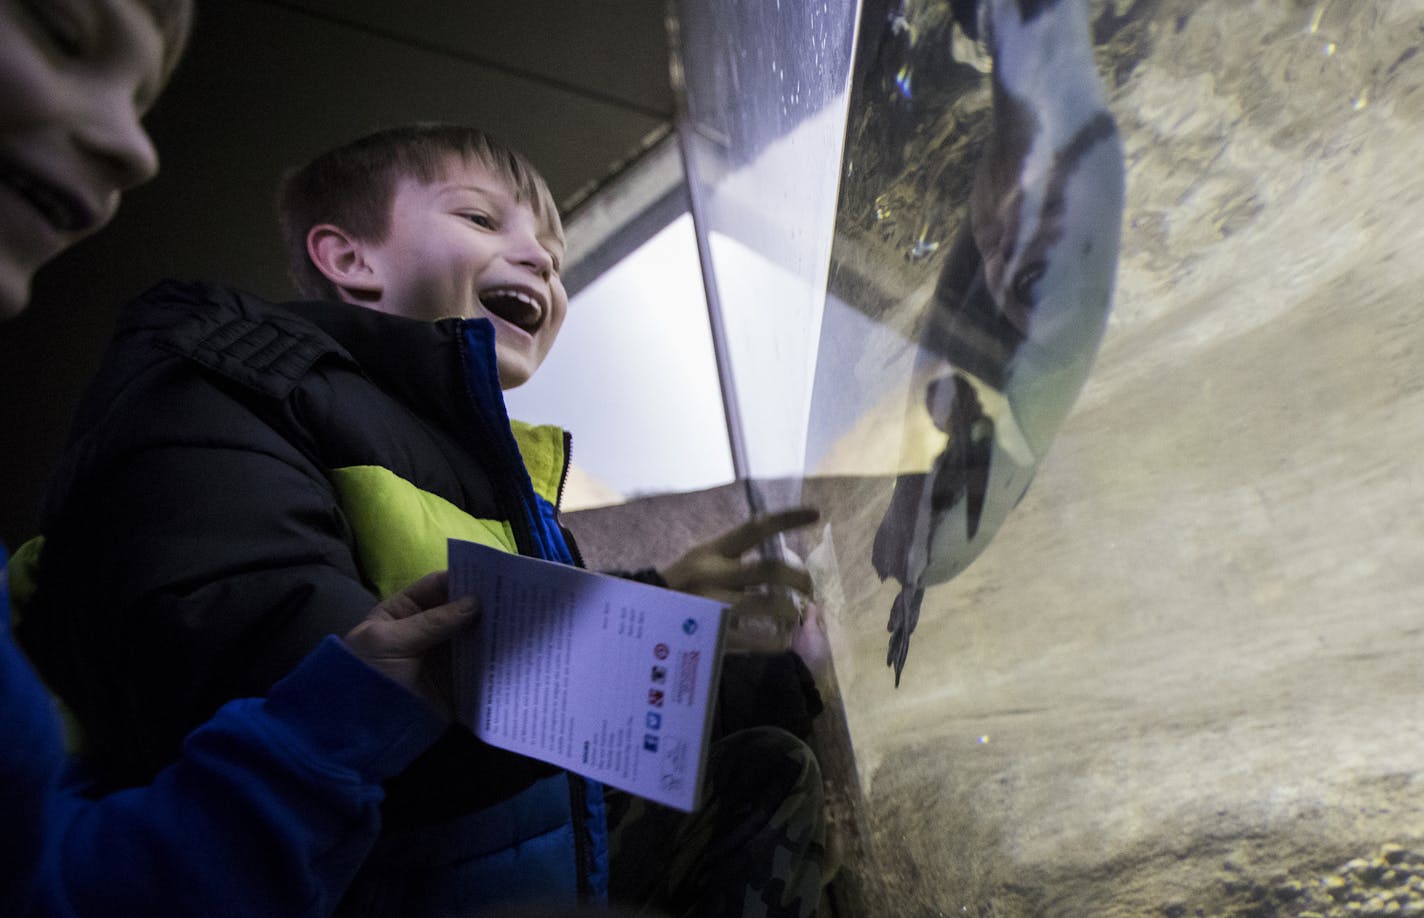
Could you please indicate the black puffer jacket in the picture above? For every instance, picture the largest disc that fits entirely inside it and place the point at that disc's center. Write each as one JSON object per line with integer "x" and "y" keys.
{"x": 245, "y": 478}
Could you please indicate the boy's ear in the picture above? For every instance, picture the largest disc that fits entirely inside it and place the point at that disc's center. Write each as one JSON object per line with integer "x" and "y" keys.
{"x": 342, "y": 259}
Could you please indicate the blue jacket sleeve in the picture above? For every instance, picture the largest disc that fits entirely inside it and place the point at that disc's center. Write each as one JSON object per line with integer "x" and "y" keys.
{"x": 32, "y": 755}
{"x": 270, "y": 809}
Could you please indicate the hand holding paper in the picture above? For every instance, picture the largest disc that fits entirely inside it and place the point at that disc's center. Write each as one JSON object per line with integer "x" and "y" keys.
{"x": 605, "y": 677}
{"x": 398, "y": 636}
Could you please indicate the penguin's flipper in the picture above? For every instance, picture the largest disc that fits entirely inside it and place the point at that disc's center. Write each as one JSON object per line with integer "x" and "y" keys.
{"x": 891, "y": 547}
{"x": 904, "y": 616}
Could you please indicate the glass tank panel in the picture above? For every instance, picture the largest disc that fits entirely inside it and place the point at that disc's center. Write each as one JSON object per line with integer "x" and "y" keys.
{"x": 763, "y": 92}
{"x": 1183, "y": 678}
{"x": 1174, "y": 669}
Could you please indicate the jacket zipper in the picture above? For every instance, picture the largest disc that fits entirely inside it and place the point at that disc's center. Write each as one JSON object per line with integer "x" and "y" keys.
{"x": 511, "y": 495}
{"x": 569, "y": 540}
{"x": 519, "y": 516}
{"x": 564, "y": 474}
{"x": 583, "y": 842}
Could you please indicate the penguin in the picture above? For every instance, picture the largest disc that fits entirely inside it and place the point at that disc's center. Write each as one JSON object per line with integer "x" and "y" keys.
{"x": 1021, "y": 303}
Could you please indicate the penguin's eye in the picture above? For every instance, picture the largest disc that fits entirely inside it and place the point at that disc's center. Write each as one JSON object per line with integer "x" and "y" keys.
{"x": 1027, "y": 276}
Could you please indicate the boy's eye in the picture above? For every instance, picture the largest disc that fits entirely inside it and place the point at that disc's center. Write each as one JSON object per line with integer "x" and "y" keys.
{"x": 66, "y": 24}
{"x": 480, "y": 220}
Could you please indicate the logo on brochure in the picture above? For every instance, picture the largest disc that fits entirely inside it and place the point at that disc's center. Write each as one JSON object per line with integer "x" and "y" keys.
{"x": 687, "y": 676}
{"x": 674, "y": 765}
{"x": 655, "y": 697}
{"x": 654, "y": 720}
{"x": 650, "y": 742}
{"x": 689, "y": 627}
{"x": 661, "y": 651}
{"x": 659, "y": 674}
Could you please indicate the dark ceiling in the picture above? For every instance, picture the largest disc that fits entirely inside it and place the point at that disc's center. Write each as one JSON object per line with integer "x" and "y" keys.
{"x": 580, "y": 86}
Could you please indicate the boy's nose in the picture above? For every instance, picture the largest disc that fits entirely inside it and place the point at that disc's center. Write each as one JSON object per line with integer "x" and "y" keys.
{"x": 530, "y": 252}
{"x": 114, "y": 136}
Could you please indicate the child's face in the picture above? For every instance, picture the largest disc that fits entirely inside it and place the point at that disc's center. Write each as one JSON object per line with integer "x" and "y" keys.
{"x": 465, "y": 246}
{"x": 76, "y": 77}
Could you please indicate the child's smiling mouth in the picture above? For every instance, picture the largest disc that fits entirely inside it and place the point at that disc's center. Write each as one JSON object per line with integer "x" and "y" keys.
{"x": 61, "y": 209}
{"x": 515, "y": 306}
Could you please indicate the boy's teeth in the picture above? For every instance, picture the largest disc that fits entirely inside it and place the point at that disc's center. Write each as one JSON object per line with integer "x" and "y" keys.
{"x": 514, "y": 294}
{"x": 513, "y": 306}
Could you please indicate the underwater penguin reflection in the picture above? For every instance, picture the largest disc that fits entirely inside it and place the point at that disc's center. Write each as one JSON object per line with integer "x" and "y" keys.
{"x": 1021, "y": 303}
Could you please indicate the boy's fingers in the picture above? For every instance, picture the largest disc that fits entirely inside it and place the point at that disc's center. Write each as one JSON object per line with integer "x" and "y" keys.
{"x": 766, "y": 607}
{"x": 426, "y": 593}
{"x": 755, "y": 531}
{"x": 419, "y": 633}
{"x": 762, "y": 624}
{"x": 753, "y": 641}
{"x": 767, "y": 572}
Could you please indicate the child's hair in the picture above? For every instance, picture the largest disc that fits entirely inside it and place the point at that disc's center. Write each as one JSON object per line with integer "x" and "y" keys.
{"x": 174, "y": 19}
{"x": 354, "y": 186}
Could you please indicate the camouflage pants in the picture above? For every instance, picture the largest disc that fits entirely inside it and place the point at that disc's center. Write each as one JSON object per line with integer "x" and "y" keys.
{"x": 754, "y": 849}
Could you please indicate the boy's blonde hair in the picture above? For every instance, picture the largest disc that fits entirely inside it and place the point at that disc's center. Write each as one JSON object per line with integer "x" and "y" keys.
{"x": 353, "y": 187}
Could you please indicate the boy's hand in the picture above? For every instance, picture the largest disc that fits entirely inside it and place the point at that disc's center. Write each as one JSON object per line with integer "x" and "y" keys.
{"x": 763, "y": 618}
{"x": 812, "y": 645}
{"x": 398, "y": 637}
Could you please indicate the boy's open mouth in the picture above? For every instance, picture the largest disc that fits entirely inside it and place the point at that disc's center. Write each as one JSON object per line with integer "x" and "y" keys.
{"x": 519, "y": 308}
{"x": 64, "y": 211}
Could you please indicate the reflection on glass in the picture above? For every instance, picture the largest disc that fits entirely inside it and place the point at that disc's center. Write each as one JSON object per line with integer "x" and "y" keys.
{"x": 763, "y": 91}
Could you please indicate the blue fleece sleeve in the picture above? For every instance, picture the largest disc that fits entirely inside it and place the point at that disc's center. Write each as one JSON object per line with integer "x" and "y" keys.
{"x": 270, "y": 809}
{"x": 31, "y": 757}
